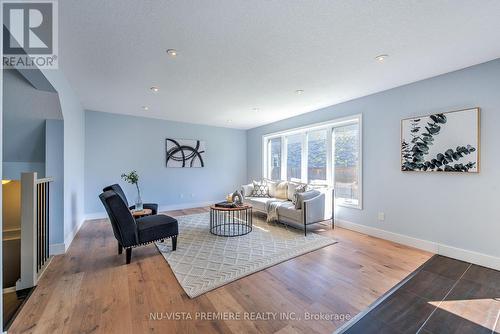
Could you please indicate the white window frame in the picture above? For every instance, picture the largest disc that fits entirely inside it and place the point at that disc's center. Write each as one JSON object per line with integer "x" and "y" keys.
{"x": 305, "y": 130}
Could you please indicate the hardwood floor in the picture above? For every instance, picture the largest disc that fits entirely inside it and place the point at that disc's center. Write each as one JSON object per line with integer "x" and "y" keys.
{"x": 91, "y": 290}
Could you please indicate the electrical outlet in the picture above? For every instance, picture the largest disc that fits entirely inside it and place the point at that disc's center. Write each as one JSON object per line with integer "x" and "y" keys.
{"x": 381, "y": 216}
{"x": 192, "y": 195}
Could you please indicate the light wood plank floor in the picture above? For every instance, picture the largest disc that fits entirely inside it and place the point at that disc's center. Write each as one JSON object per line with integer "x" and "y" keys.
{"x": 91, "y": 290}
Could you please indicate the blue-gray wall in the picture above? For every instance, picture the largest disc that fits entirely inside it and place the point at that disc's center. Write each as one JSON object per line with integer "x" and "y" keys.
{"x": 74, "y": 153}
{"x": 54, "y": 167}
{"x": 117, "y": 143}
{"x": 25, "y": 112}
{"x": 452, "y": 209}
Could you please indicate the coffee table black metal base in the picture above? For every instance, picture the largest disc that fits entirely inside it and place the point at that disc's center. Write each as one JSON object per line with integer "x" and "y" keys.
{"x": 231, "y": 222}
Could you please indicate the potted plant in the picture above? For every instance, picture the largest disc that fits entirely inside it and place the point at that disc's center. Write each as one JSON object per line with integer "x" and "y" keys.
{"x": 133, "y": 178}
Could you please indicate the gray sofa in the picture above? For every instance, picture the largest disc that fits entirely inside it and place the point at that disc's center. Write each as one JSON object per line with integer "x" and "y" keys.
{"x": 313, "y": 206}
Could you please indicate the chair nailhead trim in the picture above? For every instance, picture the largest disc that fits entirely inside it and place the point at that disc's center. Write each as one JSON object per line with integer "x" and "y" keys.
{"x": 149, "y": 242}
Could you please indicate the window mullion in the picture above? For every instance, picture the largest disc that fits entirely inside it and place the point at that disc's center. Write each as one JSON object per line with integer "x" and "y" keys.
{"x": 332, "y": 159}
{"x": 329, "y": 157}
{"x": 284, "y": 155}
{"x": 303, "y": 161}
{"x": 267, "y": 157}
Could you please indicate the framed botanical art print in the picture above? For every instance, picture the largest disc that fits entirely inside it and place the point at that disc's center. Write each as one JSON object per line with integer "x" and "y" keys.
{"x": 445, "y": 142}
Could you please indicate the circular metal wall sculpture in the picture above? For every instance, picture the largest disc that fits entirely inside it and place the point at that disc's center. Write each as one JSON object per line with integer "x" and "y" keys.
{"x": 184, "y": 153}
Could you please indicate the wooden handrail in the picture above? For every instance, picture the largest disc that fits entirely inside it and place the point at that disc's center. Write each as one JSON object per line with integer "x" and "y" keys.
{"x": 45, "y": 180}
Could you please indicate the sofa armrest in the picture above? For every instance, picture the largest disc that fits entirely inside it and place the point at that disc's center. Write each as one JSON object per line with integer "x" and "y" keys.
{"x": 247, "y": 189}
{"x": 314, "y": 209}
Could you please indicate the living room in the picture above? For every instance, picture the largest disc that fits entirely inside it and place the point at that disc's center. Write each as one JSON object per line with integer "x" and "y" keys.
{"x": 263, "y": 167}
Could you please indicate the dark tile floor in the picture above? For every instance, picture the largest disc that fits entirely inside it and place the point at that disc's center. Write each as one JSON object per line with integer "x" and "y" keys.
{"x": 445, "y": 296}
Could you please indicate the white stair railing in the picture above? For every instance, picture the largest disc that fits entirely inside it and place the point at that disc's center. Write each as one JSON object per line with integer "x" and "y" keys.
{"x": 35, "y": 207}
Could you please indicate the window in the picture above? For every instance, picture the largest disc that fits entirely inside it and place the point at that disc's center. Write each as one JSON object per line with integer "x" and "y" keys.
{"x": 316, "y": 157}
{"x": 274, "y": 159}
{"x": 346, "y": 168}
{"x": 293, "y": 157}
{"x": 325, "y": 154}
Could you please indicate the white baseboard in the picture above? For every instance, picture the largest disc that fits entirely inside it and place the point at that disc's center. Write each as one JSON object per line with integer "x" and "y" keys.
{"x": 69, "y": 238}
{"x": 430, "y": 246}
{"x": 56, "y": 249}
{"x": 470, "y": 256}
{"x": 161, "y": 208}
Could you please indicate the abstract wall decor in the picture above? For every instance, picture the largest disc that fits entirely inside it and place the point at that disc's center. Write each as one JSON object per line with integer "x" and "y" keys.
{"x": 445, "y": 142}
{"x": 185, "y": 153}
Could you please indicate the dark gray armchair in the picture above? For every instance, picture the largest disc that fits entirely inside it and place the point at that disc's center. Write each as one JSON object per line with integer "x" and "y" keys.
{"x": 130, "y": 232}
{"x": 117, "y": 189}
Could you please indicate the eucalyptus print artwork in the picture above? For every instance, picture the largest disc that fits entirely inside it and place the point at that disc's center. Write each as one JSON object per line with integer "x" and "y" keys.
{"x": 445, "y": 142}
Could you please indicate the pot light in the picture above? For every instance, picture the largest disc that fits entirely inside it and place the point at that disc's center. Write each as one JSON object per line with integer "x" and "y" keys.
{"x": 146, "y": 108}
{"x": 155, "y": 89}
{"x": 299, "y": 92}
{"x": 172, "y": 52}
{"x": 381, "y": 58}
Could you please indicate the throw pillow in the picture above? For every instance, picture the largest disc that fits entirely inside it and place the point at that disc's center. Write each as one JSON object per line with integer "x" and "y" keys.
{"x": 299, "y": 189}
{"x": 271, "y": 185}
{"x": 292, "y": 186}
{"x": 281, "y": 190}
{"x": 301, "y": 197}
{"x": 260, "y": 189}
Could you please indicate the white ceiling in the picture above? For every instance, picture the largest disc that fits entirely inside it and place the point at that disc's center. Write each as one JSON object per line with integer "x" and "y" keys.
{"x": 236, "y": 55}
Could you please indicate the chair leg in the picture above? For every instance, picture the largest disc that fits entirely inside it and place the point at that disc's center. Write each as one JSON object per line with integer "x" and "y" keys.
{"x": 128, "y": 254}
{"x": 120, "y": 248}
{"x": 174, "y": 243}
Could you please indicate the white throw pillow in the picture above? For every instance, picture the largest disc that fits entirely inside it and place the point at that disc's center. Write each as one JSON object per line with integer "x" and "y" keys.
{"x": 281, "y": 190}
{"x": 271, "y": 185}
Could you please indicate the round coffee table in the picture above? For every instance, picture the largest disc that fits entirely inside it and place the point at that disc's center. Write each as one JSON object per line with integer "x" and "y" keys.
{"x": 141, "y": 213}
{"x": 231, "y": 222}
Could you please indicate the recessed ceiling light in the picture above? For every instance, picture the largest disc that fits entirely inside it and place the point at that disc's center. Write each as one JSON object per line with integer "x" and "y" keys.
{"x": 299, "y": 92}
{"x": 155, "y": 89}
{"x": 381, "y": 58}
{"x": 145, "y": 108}
{"x": 172, "y": 52}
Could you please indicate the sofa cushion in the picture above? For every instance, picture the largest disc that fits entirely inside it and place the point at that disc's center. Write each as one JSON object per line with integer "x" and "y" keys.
{"x": 259, "y": 203}
{"x": 287, "y": 209}
{"x": 281, "y": 190}
{"x": 151, "y": 228}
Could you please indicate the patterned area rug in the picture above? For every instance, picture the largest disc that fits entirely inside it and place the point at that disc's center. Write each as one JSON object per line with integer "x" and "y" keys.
{"x": 203, "y": 262}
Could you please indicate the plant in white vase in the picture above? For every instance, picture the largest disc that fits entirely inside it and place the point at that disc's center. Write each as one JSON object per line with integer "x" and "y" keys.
{"x": 133, "y": 178}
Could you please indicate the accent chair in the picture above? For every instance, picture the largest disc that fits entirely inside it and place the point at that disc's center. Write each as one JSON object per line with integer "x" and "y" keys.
{"x": 130, "y": 232}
